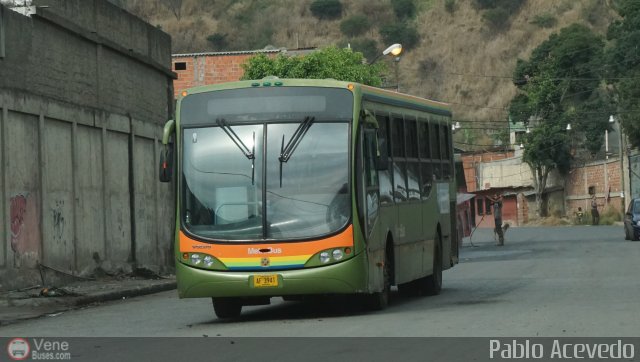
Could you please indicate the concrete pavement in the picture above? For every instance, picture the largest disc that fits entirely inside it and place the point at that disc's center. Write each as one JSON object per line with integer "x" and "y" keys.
{"x": 41, "y": 301}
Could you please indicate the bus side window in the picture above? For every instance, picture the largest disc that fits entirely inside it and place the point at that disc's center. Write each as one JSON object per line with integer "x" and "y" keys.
{"x": 426, "y": 170}
{"x": 446, "y": 152}
{"x": 436, "y": 153}
{"x": 371, "y": 175}
{"x": 386, "y": 183}
{"x": 399, "y": 166}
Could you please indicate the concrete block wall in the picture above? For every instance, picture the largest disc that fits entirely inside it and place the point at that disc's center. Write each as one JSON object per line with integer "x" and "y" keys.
{"x": 82, "y": 105}
{"x": 67, "y": 52}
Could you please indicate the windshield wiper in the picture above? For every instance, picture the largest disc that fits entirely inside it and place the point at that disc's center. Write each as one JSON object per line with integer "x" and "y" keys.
{"x": 249, "y": 154}
{"x": 287, "y": 151}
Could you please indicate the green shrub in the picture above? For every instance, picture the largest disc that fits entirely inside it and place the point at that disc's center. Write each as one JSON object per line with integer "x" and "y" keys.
{"x": 368, "y": 47}
{"x": 326, "y": 9}
{"x": 609, "y": 216}
{"x": 510, "y": 5}
{"x": 486, "y": 4}
{"x": 354, "y": 25}
{"x": 544, "y": 20}
{"x": 218, "y": 41}
{"x": 404, "y": 9}
{"x": 497, "y": 18}
{"x": 449, "y": 6}
{"x": 402, "y": 33}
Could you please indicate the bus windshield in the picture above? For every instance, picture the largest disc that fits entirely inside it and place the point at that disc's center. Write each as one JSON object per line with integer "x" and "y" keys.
{"x": 265, "y": 180}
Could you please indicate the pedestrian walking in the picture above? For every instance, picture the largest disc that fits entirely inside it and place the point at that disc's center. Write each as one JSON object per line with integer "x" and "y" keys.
{"x": 496, "y": 200}
{"x": 595, "y": 215}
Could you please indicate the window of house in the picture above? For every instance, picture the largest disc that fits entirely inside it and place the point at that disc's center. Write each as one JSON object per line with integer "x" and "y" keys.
{"x": 592, "y": 190}
{"x": 180, "y": 66}
{"x": 480, "y": 203}
{"x": 487, "y": 205}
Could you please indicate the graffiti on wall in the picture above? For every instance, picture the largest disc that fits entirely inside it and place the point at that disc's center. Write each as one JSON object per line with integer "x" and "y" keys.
{"x": 25, "y": 230}
{"x": 17, "y": 212}
{"x": 58, "y": 219}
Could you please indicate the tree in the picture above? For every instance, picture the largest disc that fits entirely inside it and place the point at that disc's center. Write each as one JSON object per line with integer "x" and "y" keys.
{"x": 400, "y": 32}
{"x": 404, "y": 9}
{"x": 560, "y": 83}
{"x": 354, "y": 25}
{"x": 547, "y": 149}
{"x": 326, "y": 9}
{"x": 218, "y": 40}
{"x": 175, "y": 6}
{"x": 336, "y": 63}
{"x": 623, "y": 60}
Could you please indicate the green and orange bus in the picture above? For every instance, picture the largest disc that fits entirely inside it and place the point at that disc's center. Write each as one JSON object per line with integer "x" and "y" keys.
{"x": 299, "y": 187}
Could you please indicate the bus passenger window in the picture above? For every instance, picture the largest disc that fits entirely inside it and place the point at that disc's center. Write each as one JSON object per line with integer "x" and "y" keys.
{"x": 397, "y": 137}
{"x": 435, "y": 141}
{"x": 399, "y": 181}
{"x": 413, "y": 180}
{"x": 423, "y": 139}
{"x": 427, "y": 179}
{"x": 412, "y": 138}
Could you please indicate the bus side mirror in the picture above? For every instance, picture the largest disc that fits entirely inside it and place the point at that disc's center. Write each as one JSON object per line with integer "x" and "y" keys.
{"x": 382, "y": 161}
{"x": 166, "y": 164}
{"x": 166, "y": 155}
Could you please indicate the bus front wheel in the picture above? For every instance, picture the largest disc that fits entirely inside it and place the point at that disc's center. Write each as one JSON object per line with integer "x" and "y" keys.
{"x": 433, "y": 283}
{"x": 380, "y": 300}
{"x": 226, "y": 308}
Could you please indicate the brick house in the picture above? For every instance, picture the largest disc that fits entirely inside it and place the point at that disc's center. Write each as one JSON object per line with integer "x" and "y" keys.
{"x": 197, "y": 69}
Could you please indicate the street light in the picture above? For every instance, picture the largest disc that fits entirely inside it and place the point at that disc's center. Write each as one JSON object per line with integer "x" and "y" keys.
{"x": 394, "y": 50}
{"x": 612, "y": 120}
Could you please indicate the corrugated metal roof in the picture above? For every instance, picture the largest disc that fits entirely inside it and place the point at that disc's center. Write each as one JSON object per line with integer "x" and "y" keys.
{"x": 238, "y": 52}
{"x": 462, "y": 197}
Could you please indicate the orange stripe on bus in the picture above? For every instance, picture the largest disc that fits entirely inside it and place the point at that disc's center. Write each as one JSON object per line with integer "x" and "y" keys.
{"x": 342, "y": 240}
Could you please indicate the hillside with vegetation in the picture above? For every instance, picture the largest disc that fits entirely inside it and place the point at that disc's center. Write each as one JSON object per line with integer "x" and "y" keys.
{"x": 463, "y": 52}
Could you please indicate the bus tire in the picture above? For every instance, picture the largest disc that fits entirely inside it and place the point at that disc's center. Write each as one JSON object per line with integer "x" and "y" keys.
{"x": 226, "y": 308}
{"x": 380, "y": 300}
{"x": 433, "y": 283}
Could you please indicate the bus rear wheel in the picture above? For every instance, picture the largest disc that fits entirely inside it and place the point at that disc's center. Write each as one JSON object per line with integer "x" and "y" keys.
{"x": 227, "y": 308}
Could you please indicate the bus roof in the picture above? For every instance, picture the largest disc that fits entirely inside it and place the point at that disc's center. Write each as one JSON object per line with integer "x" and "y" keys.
{"x": 368, "y": 92}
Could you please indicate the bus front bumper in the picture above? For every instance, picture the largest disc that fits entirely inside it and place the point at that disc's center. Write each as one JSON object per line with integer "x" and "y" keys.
{"x": 346, "y": 277}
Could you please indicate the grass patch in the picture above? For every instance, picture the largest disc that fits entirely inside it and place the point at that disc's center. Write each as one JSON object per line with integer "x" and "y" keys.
{"x": 610, "y": 216}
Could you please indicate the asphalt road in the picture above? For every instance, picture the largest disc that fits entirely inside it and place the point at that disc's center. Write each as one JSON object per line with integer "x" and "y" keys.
{"x": 554, "y": 282}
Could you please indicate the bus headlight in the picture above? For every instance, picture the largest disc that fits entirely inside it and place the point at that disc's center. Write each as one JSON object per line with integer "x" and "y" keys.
{"x": 208, "y": 261}
{"x": 324, "y": 257}
{"x": 337, "y": 254}
{"x": 195, "y": 259}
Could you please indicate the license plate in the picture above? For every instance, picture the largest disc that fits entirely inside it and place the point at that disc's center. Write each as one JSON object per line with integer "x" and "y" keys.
{"x": 261, "y": 281}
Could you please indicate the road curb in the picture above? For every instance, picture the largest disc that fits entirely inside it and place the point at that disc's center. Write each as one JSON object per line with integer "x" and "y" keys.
{"x": 125, "y": 293}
